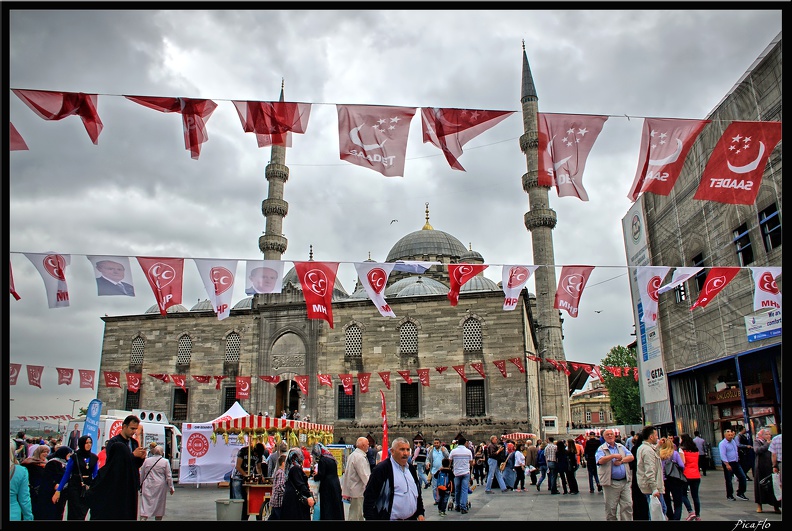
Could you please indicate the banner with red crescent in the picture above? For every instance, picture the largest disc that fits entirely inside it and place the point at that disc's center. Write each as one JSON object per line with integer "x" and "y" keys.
{"x": 384, "y": 427}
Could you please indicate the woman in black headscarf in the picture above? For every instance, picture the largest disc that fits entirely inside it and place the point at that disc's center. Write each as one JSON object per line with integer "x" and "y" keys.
{"x": 53, "y": 472}
{"x": 296, "y": 482}
{"x": 80, "y": 469}
{"x": 331, "y": 504}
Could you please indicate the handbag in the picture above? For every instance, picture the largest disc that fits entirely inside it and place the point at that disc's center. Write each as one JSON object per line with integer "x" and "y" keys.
{"x": 502, "y": 466}
{"x": 300, "y": 497}
{"x": 674, "y": 471}
{"x": 766, "y": 484}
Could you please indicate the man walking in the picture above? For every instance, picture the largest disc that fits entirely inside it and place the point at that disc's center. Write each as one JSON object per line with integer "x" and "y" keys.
{"x": 551, "y": 456}
{"x": 461, "y": 460}
{"x": 731, "y": 466}
{"x": 745, "y": 451}
{"x": 701, "y": 444}
{"x": 615, "y": 477}
{"x": 531, "y": 453}
{"x": 356, "y": 478}
{"x": 434, "y": 460}
{"x": 496, "y": 455}
{"x": 419, "y": 460}
{"x": 589, "y": 453}
{"x": 649, "y": 469}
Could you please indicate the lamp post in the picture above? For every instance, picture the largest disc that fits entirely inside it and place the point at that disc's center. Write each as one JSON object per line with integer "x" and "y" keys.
{"x": 73, "y": 401}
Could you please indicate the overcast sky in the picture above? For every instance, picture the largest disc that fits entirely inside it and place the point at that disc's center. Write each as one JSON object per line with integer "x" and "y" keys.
{"x": 138, "y": 192}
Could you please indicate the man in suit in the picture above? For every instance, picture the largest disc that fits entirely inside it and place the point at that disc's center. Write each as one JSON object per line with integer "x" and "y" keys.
{"x": 74, "y": 436}
{"x": 111, "y": 280}
{"x": 262, "y": 280}
{"x": 393, "y": 491}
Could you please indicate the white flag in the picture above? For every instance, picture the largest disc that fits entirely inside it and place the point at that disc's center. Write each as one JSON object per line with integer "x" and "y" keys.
{"x": 649, "y": 280}
{"x": 514, "y": 279}
{"x": 766, "y": 292}
{"x": 52, "y": 268}
{"x": 374, "y": 277}
{"x": 681, "y": 274}
{"x": 218, "y": 279}
{"x": 263, "y": 276}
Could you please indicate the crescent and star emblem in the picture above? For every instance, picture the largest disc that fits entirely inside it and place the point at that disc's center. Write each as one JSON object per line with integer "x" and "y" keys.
{"x": 751, "y": 166}
{"x": 462, "y": 272}
{"x": 517, "y": 275}
{"x": 244, "y": 387}
{"x": 669, "y": 159}
{"x": 354, "y": 136}
{"x": 561, "y": 162}
{"x": 54, "y": 264}
{"x": 442, "y": 119}
{"x": 573, "y": 285}
{"x": 652, "y": 286}
{"x": 767, "y": 283}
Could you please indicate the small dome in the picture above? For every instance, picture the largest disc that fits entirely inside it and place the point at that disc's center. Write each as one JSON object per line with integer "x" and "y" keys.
{"x": 419, "y": 287}
{"x": 244, "y": 304}
{"x": 479, "y": 283}
{"x": 471, "y": 256}
{"x": 359, "y": 293}
{"x": 395, "y": 289}
{"x": 177, "y": 308}
{"x": 202, "y": 306}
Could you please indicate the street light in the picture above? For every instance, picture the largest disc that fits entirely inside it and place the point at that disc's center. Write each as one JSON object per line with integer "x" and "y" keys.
{"x": 73, "y": 401}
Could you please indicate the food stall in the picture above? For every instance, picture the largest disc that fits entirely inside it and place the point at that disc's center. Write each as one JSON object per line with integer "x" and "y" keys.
{"x": 253, "y": 429}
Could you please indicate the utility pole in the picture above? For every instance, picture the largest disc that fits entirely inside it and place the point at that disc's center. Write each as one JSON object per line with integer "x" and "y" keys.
{"x": 73, "y": 401}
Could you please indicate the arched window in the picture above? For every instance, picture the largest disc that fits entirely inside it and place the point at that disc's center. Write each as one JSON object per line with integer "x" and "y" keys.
{"x": 138, "y": 346}
{"x": 408, "y": 338}
{"x": 354, "y": 341}
{"x": 184, "y": 353}
{"x": 471, "y": 335}
{"x": 232, "y": 348}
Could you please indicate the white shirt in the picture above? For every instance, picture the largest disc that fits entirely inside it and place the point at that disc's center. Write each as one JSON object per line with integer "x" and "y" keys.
{"x": 405, "y": 493}
{"x": 519, "y": 458}
{"x": 460, "y": 460}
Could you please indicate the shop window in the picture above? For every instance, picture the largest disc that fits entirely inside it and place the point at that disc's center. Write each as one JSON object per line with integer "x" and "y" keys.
{"x": 770, "y": 226}
{"x": 742, "y": 243}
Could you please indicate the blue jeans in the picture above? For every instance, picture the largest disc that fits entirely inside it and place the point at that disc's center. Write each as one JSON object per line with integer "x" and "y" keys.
{"x": 543, "y": 472}
{"x": 662, "y": 502}
{"x": 461, "y": 491}
{"x": 237, "y": 492}
{"x": 736, "y": 470}
{"x": 422, "y": 472}
{"x": 552, "y": 476}
{"x": 494, "y": 472}
{"x": 591, "y": 467}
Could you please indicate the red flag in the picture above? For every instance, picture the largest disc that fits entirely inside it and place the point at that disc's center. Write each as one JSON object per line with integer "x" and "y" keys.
{"x": 562, "y": 365}
{"x": 325, "y": 379}
{"x": 664, "y": 145}
{"x": 202, "y": 379}
{"x": 565, "y": 141}
{"x": 479, "y": 368}
{"x": 423, "y": 377}
{"x": 274, "y": 118}
{"x": 164, "y": 377}
{"x": 112, "y": 378}
{"x": 15, "y": 140}
{"x": 501, "y": 365}
{"x": 86, "y": 379}
{"x": 552, "y": 362}
{"x": 195, "y": 114}
{"x": 384, "y": 414}
{"x": 385, "y": 375}
{"x": 11, "y": 280}
{"x": 317, "y": 280}
{"x": 270, "y": 379}
{"x": 406, "y": 376}
{"x": 242, "y": 387}
{"x": 218, "y": 379}
{"x": 570, "y": 288}
{"x": 302, "y": 381}
{"x": 441, "y": 369}
{"x": 133, "y": 381}
{"x": 458, "y": 274}
{"x": 596, "y": 371}
{"x": 64, "y": 376}
{"x": 58, "y": 105}
{"x": 450, "y": 129}
{"x": 14, "y": 374}
{"x": 346, "y": 381}
{"x": 164, "y": 275}
{"x": 534, "y": 358}
{"x": 460, "y": 369}
{"x": 588, "y": 369}
{"x": 635, "y": 373}
{"x": 717, "y": 279}
{"x": 518, "y": 363}
{"x": 734, "y": 171}
{"x": 363, "y": 381}
{"x": 375, "y": 137}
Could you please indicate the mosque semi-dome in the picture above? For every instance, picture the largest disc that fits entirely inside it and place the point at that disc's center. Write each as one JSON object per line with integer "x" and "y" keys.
{"x": 430, "y": 286}
{"x": 244, "y": 304}
{"x": 176, "y": 308}
{"x": 479, "y": 283}
{"x": 202, "y": 306}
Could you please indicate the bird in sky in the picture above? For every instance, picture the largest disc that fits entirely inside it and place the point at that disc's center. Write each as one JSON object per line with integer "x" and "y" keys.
{"x": 597, "y": 311}
{"x": 394, "y": 221}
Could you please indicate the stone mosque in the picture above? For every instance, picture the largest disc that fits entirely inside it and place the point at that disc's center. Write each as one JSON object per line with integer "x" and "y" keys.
{"x": 270, "y": 334}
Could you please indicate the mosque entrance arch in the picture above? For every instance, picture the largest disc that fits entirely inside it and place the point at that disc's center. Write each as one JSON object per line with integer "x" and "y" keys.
{"x": 287, "y": 396}
{"x": 289, "y": 359}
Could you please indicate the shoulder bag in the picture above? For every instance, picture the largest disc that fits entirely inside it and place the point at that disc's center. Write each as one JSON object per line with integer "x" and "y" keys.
{"x": 140, "y": 487}
{"x": 300, "y": 497}
{"x": 674, "y": 471}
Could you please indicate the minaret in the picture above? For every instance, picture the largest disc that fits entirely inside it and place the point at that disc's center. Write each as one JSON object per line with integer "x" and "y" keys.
{"x": 273, "y": 243}
{"x": 540, "y": 220}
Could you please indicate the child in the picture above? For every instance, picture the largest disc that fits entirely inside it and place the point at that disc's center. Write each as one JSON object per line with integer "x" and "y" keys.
{"x": 445, "y": 485}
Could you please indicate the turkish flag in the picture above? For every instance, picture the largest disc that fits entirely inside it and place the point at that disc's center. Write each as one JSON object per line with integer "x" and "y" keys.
{"x": 565, "y": 141}
{"x": 570, "y": 288}
{"x": 479, "y": 368}
{"x": 649, "y": 279}
{"x": 363, "y": 381}
{"x": 375, "y": 136}
{"x": 218, "y": 280}
{"x": 11, "y": 282}
{"x": 64, "y": 376}
{"x": 734, "y": 171}
{"x": 270, "y": 379}
{"x": 458, "y": 274}
{"x": 218, "y": 379}
{"x": 112, "y": 378}
{"x": 271, "y": 121}
{"x": 766, "y": 292}
{"x": 15, "y": 140}
{"x": 664, "y": 145}
{"x": 58, "y": 105}
{"x": 385, "y": 375}
{"x": 518, "y": 363}
{"x": 406, "y": 376}
{"x": 514, "y": 279}
{"x": 52, "y": 268}
{"x": 346, "y": 380}
{"x": 133, "y": 381}
{"x": 302, "y": 381}
{"x": 460, "y": 369}
{"x": 562, "y": 365}
{"x": 374, "y": 277}
{"x": 450, "y": 129}
{"x": 317, "y": 280}
{"x": 681, "y": 274}
{"x": 163, "y": 377}
{"x": 195, "y": 113}
{"x": 242, "y": 387}
{"x": 384, "y": 413}
{"x": 501, "y": 365}
{"x": 86, "y": 378}
{"x": 588, "y": 369}
{"x": 423, "y": 377}
{"x": 534, "y": 358}
{"x": 325, "y": 379}
{"x": 717, "y": 279}
{"x": 14, "y": 374}
{"x": 202, "y": 379}
{"x": 165, "y": 276}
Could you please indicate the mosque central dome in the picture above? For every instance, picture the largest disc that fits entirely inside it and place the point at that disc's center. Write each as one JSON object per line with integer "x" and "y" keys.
{"x": 426, "y": 242}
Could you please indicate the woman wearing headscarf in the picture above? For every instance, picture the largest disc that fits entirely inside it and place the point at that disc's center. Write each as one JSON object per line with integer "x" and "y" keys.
{"x": 52, "y": 509}
{"x": 80, "y": 470}
{"x": 509, "y": 475}
{"x": 35, "y": 466}
{"x": 156, "y": 481}
{"x": 18, "y": 490}
{"x": 763, "y": 467}
{"x": 296, "y": 482}
{"x": 331, "y": 504}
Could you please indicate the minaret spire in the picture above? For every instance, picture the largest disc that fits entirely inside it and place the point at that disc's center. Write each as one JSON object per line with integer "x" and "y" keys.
{"x": 273, "y": 243}
{"x": 426, "y": 225}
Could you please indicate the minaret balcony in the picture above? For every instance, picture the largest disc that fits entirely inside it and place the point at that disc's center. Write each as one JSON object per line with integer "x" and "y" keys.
{"x": 529, "y": 140}
{"x": 540, "y": 217}
{"x": 272, "y": 242}
{"x": 274, "y": 207}
{"x": 531, "y": 181}
{"x": 277, "y": 171}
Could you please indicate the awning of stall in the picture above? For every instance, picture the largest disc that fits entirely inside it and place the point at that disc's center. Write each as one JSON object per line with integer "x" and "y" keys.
{"x": 256, "y": 423}
{"x": 518, "y": 436}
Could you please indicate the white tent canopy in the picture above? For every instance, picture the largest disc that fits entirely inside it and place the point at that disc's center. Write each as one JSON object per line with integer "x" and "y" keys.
{"x": 234, "y": 412}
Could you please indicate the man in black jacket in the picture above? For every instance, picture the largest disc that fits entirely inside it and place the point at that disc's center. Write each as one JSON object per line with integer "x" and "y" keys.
{"x": 589, "y": 452}
{"x": 393, "y": 491}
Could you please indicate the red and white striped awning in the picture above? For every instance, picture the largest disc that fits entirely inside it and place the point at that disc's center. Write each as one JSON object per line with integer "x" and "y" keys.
{"x": 256, "y": 422}
{"x": 518, "y": 436}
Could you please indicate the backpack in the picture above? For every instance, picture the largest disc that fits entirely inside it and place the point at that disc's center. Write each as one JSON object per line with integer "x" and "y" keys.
{"x": 442, "y": 480}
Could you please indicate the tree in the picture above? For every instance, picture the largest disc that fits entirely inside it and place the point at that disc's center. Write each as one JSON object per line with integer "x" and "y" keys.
{"x": 83, "y": 412}
{"x": 625, "y": 398}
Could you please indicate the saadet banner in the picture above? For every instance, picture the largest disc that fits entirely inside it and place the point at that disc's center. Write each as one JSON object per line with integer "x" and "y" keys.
{"x": 204, "y": 461}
